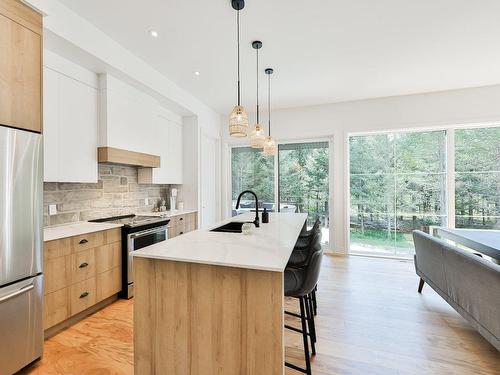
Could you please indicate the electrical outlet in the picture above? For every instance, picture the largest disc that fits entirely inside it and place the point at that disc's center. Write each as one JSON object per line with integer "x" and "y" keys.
{"x": 52, "y": 209}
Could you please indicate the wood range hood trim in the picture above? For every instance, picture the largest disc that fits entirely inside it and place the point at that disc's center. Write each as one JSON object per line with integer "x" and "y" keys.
{"x": 120, "y": 156}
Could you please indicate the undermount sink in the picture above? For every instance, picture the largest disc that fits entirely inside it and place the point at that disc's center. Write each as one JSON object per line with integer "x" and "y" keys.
{"x": 232, "y": 227}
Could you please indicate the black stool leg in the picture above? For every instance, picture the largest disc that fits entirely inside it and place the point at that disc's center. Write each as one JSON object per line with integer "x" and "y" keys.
{"x": 315, "y": 305}
{"x": 304, "y": 335}
{"x": 303, "y": 320}
{"x": 312, "y": 328}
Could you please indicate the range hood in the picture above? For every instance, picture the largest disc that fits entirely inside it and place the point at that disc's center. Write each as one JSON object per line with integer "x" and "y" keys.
{"x": 120, "y": 156}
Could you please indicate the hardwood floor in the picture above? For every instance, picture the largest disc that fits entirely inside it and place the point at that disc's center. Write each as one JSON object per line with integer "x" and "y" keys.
{"x": 371, "y": 320}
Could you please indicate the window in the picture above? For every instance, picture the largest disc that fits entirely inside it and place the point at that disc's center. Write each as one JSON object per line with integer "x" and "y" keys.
{"x": 251, "y": 170}
{"x": 477, "y": 178}
{"x": 397, "y": 184}
{"x": 304, "y": 182}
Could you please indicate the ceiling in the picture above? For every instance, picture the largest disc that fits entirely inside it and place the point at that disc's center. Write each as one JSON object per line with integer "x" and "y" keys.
{"x": 323, "y": 51}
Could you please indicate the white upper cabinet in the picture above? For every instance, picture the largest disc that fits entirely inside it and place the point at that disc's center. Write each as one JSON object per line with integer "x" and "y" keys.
{"x": 70, "y": 113}
{"x": 168, "y": 145}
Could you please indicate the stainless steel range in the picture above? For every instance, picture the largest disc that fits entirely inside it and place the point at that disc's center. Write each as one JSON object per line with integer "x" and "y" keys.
{"x": 137, "y": 232}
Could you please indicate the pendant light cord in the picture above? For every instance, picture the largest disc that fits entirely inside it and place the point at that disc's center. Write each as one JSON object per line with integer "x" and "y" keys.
{"x": 269, "y": 101}
{"x": 257, "y": 85}
{"x": 238, "y": 33}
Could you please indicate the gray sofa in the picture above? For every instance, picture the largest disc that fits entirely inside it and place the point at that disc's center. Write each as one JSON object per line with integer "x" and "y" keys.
{"x": 469, "y": 283}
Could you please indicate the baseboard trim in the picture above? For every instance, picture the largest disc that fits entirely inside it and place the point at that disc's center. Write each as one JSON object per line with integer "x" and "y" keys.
{"x": 52, "y": 331}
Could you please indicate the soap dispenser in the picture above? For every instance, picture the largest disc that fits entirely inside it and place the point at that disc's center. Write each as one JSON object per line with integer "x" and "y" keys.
{"x": 265, "y": 216}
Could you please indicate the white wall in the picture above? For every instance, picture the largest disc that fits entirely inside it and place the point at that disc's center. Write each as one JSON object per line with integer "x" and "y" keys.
{"x": 337, "y": 121}
{"x": 71, "y": 36}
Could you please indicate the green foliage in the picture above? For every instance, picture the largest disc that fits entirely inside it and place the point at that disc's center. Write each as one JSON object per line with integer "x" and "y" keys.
{"x": 303, "y": 176}
{"x": 398, "y": 183}
{"x": 477, "y": 183}
{"x": 252, "y": 170}
{"x": 304, "y": 179}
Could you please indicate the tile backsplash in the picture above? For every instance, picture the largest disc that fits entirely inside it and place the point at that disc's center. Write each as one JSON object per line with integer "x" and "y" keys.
{"x": 116, "y": 193}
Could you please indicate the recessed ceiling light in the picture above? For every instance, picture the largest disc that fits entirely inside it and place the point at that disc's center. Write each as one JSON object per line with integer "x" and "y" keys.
{"x": 153, "y": 33}
{"x": 197, "y": 73}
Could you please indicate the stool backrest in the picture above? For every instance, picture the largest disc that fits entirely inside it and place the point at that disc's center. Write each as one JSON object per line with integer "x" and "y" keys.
{"x": 313, "y": 269}
{"x": 314, "y": 228}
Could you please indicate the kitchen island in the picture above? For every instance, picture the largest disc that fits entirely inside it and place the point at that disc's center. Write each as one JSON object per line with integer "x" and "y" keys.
{"x": 211, "y": 302}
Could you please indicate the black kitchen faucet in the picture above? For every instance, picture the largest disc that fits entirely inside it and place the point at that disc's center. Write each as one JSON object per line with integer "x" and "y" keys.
{"x": 256, "y": 221}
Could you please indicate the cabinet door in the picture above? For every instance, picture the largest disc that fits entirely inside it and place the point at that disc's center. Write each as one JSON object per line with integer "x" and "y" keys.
{"x": 70, "y": 135}
{"x": 20, "y": 76}
{"x": 108, "y": 283}
{"x": 175, "y": 152}
{"x": 78, "y": 131}
{"x": 50, "y": 125}
{"x": 56, "y": 307}
{"x": 57, "y": 273}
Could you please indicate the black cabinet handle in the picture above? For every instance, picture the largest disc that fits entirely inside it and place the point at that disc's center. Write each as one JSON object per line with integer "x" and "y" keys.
{"x": 181, "y": 219}
{"x": 84, "y": 294}
{"x": 83, "y": 241}
{"x": 83, "y": 265}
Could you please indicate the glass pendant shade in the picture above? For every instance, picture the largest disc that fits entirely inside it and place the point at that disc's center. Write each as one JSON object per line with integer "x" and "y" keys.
{"x": 270, "y": 146}
{"x": 257, "y": 137}
{"x": 238, "y": 122}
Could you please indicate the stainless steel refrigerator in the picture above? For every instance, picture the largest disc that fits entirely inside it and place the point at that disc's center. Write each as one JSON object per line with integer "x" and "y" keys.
{"x": 21, "y": 247}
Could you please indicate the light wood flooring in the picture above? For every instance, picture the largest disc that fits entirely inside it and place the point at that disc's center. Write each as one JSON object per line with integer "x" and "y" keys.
{"x": 371, "y": 321}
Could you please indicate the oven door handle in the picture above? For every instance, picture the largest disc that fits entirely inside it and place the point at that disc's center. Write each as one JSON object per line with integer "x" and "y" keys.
{"x": 147, "y": 232}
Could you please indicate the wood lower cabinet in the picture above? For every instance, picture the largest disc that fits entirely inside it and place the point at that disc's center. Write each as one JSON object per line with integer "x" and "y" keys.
{"x": 82, "y": 295}
{"x": 180, "y": 224}
{"x": 20, "y": 66}
{"x": 108, "y": 283}
{"x": 56, "y": 307}
{"x": 80, "y": 272}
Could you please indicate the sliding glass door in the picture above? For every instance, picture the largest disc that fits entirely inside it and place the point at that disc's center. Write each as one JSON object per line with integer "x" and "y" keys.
{"x": 303, "y": 181}
{"x": 397, "y": 184}
{"x": 251, "y": 170}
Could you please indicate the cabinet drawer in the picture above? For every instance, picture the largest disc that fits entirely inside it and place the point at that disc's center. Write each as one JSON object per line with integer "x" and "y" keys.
{"x": 178, "y": 219}
{"x": 82, "y": 295}
{"x": 56, "y": 307}
{"x": 180, "y": 229}
{"x": 83, "y": 265}
{"x": 56, "y": 248}
{"x": 113, "y": 235}
{"x": 108, "y": 256}
{"x": 109, "y": 283}
{"x": 87, "y": 241}
{"x": 57, "y": 272}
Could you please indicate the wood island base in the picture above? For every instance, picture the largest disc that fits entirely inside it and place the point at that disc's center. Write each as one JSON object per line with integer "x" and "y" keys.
{"x": 192, "y": 319}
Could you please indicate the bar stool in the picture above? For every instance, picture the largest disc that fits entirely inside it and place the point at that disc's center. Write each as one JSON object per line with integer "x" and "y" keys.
{"x": 300, "y": 256}
{"x": 299, "y": 283}
{"x": 305, "y": 235}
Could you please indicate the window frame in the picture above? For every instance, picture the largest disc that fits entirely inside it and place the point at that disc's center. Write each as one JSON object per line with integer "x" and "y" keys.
{"x": 449, "y": 180}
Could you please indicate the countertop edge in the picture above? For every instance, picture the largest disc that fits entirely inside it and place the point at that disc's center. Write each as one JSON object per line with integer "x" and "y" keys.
{"x": 75, "y": 229}
{"x": 196, "y": 261}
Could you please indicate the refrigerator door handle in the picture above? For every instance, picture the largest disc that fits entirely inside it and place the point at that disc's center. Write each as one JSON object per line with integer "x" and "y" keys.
{"x": 17, "y": 292}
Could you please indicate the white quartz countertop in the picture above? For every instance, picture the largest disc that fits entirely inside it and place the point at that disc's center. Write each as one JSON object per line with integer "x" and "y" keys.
{"x": 167, "y": 213}
{"x": 75, "y": 229}
{"x": 267, "y": 248}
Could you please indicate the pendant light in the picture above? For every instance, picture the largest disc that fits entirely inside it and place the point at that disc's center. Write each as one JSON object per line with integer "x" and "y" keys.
{"x": 238, "y": 119}
{"x": 269, "y": 143}
{"x": 257, "y": 136}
